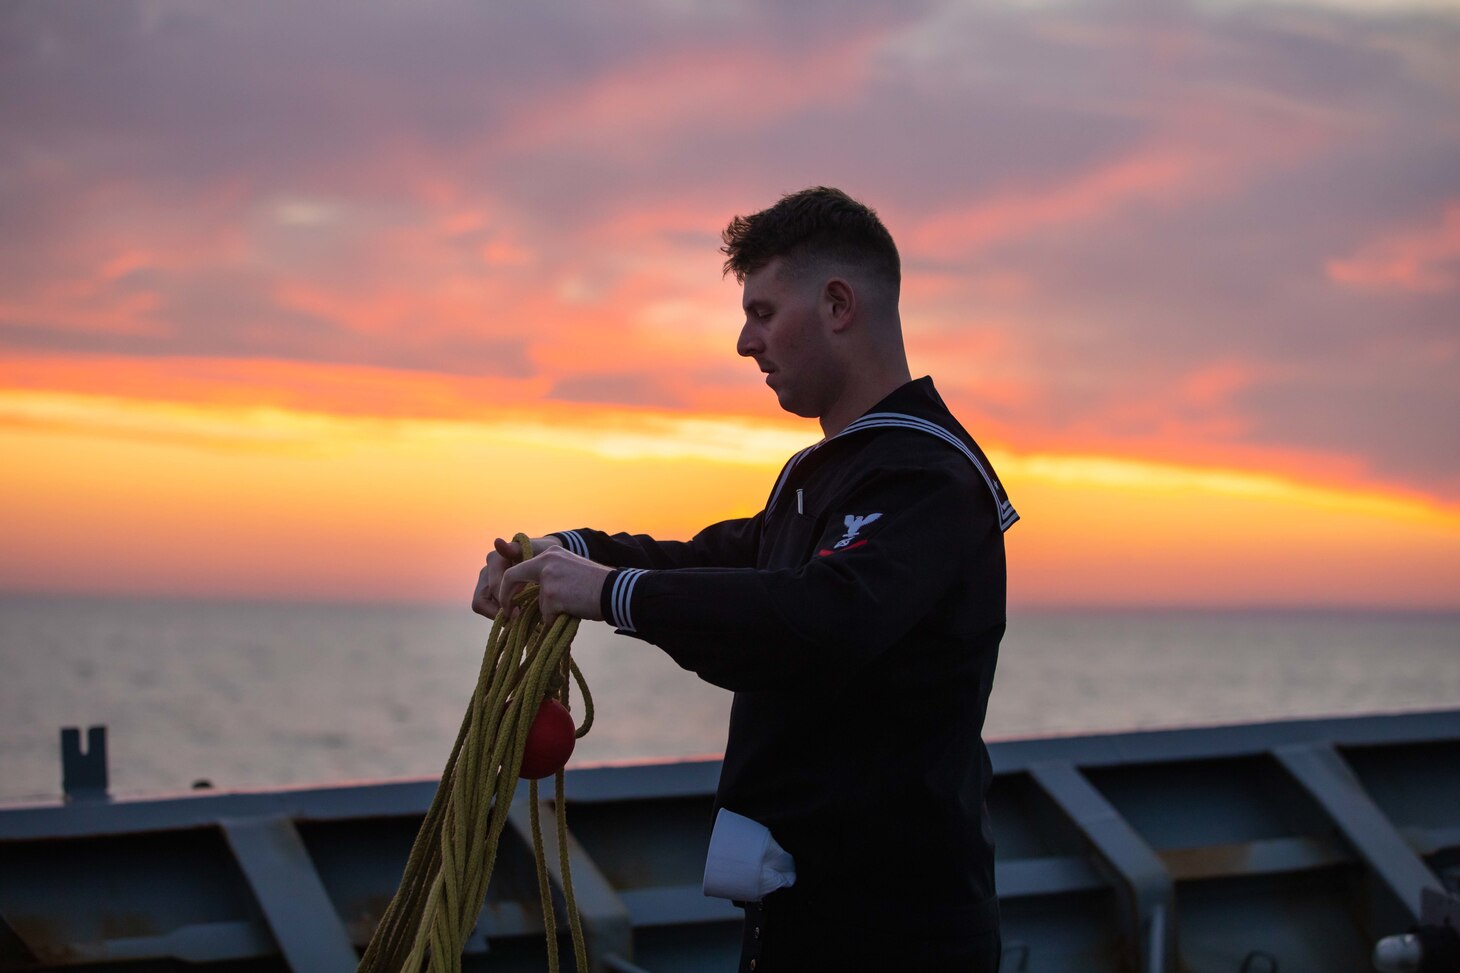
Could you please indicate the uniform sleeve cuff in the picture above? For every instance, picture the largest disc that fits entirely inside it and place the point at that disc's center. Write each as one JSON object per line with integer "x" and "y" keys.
{"x": 617, "y": 600}
{"x": 573, "y": 541}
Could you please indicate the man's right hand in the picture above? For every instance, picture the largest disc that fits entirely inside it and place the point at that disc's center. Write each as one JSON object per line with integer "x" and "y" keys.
{"x": 504, "y": 554}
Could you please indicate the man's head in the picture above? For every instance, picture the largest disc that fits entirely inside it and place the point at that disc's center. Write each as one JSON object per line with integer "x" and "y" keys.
{"x": 820, "y": 278}
{"x": 812, "y": 231}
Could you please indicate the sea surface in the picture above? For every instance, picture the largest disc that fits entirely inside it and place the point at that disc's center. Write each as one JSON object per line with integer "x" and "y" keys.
{"x": 254, "y": 694}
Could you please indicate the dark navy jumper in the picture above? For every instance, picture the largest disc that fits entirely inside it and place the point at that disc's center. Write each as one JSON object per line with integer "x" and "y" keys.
{"x": 857, "y": 619}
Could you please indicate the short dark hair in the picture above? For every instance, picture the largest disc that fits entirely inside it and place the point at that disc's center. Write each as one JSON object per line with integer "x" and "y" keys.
{"x": 819, "y": 222}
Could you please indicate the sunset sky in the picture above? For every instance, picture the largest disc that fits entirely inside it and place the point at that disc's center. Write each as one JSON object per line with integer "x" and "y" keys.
{"x": 314, "y": 300}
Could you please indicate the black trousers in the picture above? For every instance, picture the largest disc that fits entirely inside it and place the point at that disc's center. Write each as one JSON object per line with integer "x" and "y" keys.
{"x": 786, "y": 934}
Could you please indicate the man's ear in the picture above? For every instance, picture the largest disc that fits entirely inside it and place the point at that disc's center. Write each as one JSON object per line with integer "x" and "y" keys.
{"x": 839, "y": 303}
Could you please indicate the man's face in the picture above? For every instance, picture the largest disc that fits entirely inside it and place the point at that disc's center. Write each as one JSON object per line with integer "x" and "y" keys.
{"x": 784, "y": 333}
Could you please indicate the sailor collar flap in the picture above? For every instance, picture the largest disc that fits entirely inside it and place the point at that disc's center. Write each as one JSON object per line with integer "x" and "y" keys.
{"x": 901, "y": 420}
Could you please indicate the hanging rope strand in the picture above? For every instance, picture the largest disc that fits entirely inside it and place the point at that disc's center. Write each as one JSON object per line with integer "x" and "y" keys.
{"x": 527, "y": 660}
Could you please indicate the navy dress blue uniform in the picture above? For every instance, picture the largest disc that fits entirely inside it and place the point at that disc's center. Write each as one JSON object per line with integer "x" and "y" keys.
{"x": 857, "y": 618}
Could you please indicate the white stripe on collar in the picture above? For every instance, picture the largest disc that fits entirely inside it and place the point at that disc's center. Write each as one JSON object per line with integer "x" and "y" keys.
{"x": 899, "y": 420}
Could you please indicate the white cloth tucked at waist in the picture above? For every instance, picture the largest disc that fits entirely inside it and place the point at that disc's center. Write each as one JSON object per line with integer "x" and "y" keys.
{"x": 745, "y": 864}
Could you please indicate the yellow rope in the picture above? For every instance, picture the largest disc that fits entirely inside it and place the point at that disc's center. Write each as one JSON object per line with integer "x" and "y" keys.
{"x": 526, "y": 661}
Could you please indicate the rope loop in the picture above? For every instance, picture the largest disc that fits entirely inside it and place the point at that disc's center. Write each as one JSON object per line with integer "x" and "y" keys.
{"x": 423, "y": 930}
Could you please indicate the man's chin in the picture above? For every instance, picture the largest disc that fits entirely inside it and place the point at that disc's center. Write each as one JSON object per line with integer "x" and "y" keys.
{"x": 797, "y": 408}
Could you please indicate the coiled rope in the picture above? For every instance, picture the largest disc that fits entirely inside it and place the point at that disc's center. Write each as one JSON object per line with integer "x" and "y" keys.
{"x": 526, "y": 661}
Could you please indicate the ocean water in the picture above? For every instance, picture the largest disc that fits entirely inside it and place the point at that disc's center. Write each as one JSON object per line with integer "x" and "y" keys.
{"x": 250, "y": 695}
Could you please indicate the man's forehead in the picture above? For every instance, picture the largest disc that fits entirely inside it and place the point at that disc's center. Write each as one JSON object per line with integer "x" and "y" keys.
{"x": 763, "y": 282}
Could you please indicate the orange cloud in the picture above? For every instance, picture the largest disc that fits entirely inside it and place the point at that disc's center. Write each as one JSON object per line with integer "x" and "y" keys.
{"x": 1108, "y": 531}
{"x": 347, "y": 390}
{"x": 1416, "y": 260}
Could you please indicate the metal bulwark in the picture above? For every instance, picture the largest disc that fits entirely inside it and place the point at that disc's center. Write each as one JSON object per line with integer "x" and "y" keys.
{"x": 299, "y": 912}
{"x": 1152, "y": 897}
{"x": 1325, "y": 775}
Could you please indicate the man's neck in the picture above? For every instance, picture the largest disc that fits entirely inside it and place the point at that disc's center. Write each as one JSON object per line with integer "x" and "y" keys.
{"x": 862, "y": 397}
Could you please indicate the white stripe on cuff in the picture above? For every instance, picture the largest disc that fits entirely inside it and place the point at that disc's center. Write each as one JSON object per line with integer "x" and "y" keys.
{"x": 574, "y": 542}
{"x": 620, "y": 599}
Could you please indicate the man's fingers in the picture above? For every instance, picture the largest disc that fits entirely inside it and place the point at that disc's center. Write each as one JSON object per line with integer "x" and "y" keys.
{"x": 483, "y": 601}
{"x": 570, "y": 584}
{"x": 516, "y": 576}
{"x": 504, "y": 554}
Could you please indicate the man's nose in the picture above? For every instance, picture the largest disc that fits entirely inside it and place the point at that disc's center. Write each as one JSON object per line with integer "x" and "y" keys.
{"x": 749, "y": 342}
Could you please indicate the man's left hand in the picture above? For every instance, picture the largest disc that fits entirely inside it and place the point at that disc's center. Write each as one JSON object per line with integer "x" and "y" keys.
{"x": 568, "y": 584}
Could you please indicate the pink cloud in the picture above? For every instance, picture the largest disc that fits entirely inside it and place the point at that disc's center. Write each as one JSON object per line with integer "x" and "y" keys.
{"x": 1207, "y": 145}
{"x": 660, "y": 96}
{"x": 1152, "y": 172}
{"x": 1415, "y": 260}
{"x": 1214, "y": 385}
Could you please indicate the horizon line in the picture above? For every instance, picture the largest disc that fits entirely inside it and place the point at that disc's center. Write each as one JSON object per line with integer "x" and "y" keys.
{"x": 1052, "y": 607}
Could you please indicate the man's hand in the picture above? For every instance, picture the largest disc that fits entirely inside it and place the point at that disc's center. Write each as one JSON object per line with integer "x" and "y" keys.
{"x": 504, "y": 554}
{"x": 568, "y": 584}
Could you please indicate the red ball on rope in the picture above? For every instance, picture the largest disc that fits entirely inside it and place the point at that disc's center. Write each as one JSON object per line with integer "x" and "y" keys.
{"x": 550, "y": 741}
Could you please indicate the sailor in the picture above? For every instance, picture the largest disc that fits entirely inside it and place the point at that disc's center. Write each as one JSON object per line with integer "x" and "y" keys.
{"x": 857, "y": 619}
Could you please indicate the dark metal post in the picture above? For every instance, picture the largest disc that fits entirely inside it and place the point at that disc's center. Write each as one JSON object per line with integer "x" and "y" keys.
{"x": 83, "y": 775}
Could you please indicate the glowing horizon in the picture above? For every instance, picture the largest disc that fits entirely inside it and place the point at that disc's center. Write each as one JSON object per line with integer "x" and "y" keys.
{"x": 325, "y": 482}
